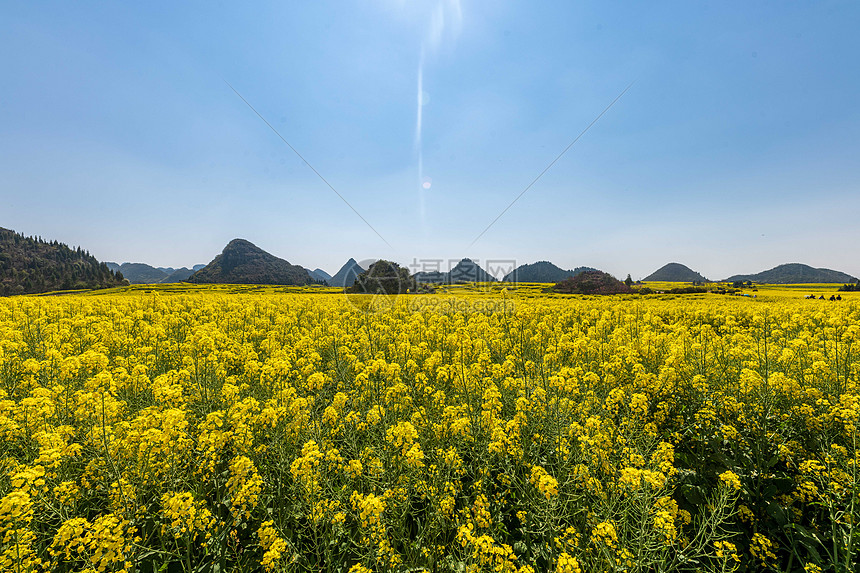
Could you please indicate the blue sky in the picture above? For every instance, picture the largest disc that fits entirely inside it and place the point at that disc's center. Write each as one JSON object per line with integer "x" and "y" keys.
{"x": 735, "y": 150}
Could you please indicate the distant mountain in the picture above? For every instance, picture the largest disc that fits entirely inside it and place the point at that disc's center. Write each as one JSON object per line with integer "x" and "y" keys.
{"x": 434, "y": 277}
{"x": 196, "y": 268}
{"x": 242, "y": 262}
{"x": 31, "y": 265}
{"x": 794, "y": 273}
{"x": 346, "y": 275}
{"x": 465, "y": 271}
{"x": 319, "y": 275}
{"x": 675, "y": 272}
{"x": 468, "y": 271}
{"x": 141, "y": 273}
{"x": 178, "y": 275}
{"x": 542, "y": 272}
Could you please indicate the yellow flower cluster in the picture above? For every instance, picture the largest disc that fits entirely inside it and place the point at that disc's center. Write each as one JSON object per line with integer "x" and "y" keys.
{"x": 545, "y": 483}
{"x": 567, "y": 564}
{"x": 664, "y": 524}
{"x": 272, "y": 545}
{"x": 244, "y": 485}
{"x": 306, "y": 467}
{"x": 487, "y": 554}
{"x": 402, "y": 436}
{"x": 725, "y": 550}
{"x": 633, "y": 478}
{"x": 280, "y": 428}
{"x": 605, "y": 533}
{"x": 762, "y": 549}
{"x": 369, "y": 507}
{"x": 184, "y": 515}
{"x": 105, "y": 543}
{"x": 16, "y": 515}
{"x": 731, "y": 479}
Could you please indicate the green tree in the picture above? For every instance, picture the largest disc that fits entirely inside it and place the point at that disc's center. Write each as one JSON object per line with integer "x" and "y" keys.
{"x": 383, "y": 277}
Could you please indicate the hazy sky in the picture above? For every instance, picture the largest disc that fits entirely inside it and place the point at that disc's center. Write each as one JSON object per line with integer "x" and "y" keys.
{"x": 735, "y": 150}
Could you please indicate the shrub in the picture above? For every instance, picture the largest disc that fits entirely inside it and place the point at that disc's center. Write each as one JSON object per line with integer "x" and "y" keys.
{"x": 592, "y": 282}
{"x": 383, "y": 277}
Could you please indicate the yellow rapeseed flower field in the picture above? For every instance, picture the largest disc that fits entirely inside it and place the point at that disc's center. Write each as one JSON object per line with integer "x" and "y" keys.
{"x": 221, "y": 428}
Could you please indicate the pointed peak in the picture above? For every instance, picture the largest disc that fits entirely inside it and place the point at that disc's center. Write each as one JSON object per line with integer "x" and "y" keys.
{"x": 675, "y": 272}
{"x": 347, "y": 274}
{"x": 468, "y": 270}
{"x": 242, "y": 262}
{"x": 241, "y": 244}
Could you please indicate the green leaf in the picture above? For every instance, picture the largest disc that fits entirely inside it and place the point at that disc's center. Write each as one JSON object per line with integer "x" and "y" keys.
{"x": 693, "y": 494}
{"x": 777, "y": 512}
{"x": 809, "y": 540}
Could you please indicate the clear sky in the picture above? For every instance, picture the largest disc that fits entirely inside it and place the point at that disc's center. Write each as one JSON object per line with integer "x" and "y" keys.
{"x": 735, "y": 150}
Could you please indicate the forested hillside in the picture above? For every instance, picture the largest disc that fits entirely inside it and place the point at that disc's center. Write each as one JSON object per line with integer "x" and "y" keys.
{"x": 31, "y": 265}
